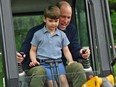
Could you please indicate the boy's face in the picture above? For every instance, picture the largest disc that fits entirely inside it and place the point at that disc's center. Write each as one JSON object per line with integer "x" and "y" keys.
{"x": 51, "y": 24}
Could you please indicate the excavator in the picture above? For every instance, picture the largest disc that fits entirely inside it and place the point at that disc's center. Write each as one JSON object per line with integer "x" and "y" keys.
{"x": 92, "y": 19}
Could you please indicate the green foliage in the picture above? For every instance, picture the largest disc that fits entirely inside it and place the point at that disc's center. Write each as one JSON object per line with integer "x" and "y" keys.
{"x": 113, "y": 20}
{"x": 22, "y": 25}
{"x": 112, "y": 0}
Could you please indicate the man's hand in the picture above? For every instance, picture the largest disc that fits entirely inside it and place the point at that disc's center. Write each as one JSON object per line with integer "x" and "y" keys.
{"x": 85, "y": 52}
{"x": 20, "y": 57}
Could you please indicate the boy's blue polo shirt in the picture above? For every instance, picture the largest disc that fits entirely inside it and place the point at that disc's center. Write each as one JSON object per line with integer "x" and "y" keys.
{"x": 49, "y": 46}
{"x": 71, "y": 33}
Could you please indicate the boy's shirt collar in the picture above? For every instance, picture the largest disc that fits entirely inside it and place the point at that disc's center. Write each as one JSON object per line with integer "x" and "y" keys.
{"x": 56, "y": 32}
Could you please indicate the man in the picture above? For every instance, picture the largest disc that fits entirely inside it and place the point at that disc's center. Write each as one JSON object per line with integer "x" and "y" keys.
{"x": 75, "y": 74}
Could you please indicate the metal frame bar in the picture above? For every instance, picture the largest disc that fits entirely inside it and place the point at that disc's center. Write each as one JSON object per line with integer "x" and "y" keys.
{"x": 102, "y": 37}
{"x": 9, "y": 52}
{"x": 92, "y": 35}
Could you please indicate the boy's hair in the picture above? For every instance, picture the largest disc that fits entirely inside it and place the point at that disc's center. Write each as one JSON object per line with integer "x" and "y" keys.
{"x": 52, "y": 12}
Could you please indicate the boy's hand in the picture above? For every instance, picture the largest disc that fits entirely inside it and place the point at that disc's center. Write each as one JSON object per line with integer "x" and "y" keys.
{"x": 34, "y": 63}
{"x": 70, "y": 62}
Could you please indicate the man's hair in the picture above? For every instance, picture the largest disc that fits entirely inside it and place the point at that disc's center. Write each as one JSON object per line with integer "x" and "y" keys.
{"x": 52, "y": 12}
{"x": 61, "y": 3}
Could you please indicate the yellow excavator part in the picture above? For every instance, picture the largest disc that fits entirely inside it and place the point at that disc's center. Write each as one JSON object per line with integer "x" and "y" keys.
{"x": 97, "y": 81}
{"x": 110, "y": 78}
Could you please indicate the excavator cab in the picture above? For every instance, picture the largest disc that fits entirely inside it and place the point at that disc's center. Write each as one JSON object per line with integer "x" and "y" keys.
{"x": 93, "y": 23}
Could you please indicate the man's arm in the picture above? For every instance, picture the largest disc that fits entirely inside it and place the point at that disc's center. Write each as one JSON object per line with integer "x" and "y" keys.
{"x": 74, "y": 46}
{"x": 26, "y": 44}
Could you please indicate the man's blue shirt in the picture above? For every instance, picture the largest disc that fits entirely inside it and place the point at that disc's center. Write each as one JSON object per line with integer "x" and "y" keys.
{"x": 71, "y": 33}
{"x": 49, "y": 46}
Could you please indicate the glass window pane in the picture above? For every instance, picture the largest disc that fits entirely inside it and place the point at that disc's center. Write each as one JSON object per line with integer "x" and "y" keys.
{"x": 22, "y": 24}
{"x": 82, "y": 23}
{"x": 85, "y": 31}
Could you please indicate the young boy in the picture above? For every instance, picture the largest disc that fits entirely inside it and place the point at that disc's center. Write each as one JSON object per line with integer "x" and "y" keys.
{"x": 48, "y": 42}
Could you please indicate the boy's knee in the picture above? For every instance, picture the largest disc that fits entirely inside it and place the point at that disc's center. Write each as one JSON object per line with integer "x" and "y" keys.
{"x": 63, "y": 79}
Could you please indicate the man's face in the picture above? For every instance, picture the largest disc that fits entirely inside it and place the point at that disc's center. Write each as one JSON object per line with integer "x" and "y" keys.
{"x": 65, "y": 17}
